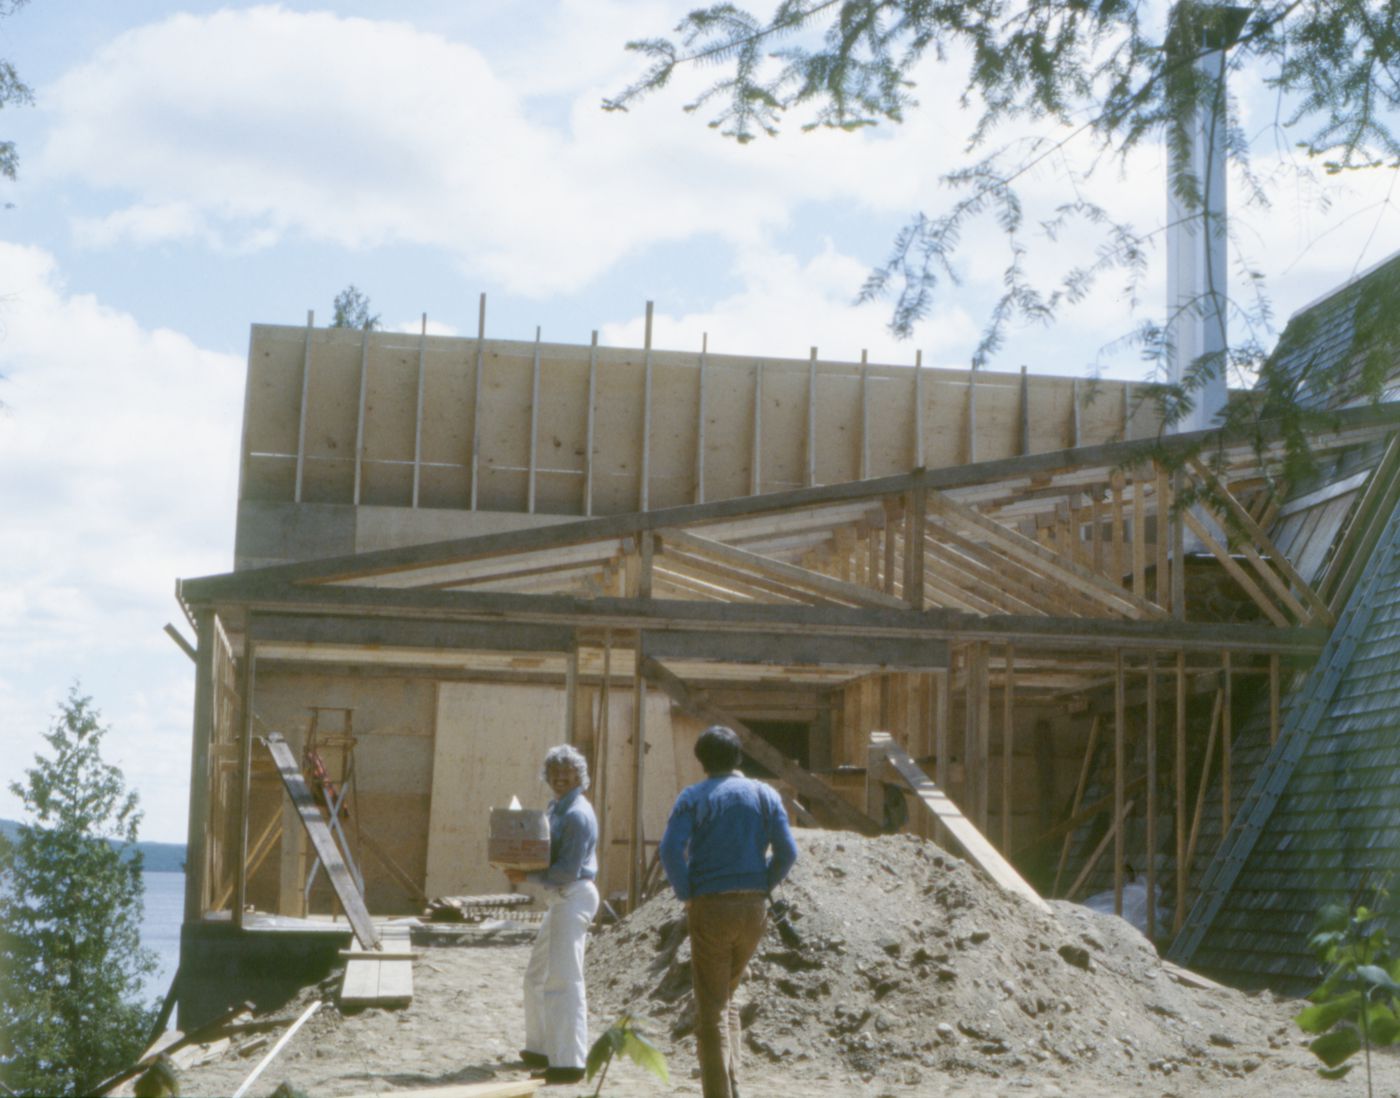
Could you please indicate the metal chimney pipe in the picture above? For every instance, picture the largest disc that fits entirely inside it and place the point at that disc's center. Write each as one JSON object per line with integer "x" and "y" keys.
{"x": 1197, "y": 252}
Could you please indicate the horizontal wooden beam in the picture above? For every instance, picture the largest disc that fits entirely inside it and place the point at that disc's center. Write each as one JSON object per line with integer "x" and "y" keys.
{"x": 410, "y": 633}
{"x": 625, "y": 613}
{"x": 895, "y": 653}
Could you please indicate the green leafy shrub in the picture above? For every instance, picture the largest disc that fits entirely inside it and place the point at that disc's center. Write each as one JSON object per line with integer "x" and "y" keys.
{"x": 624, "y": 1037}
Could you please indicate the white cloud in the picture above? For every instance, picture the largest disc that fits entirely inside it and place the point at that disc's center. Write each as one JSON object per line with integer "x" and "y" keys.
{"x": 118, "y": 458}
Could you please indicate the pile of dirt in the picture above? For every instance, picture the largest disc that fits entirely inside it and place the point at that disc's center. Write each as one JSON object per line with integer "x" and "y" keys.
{"x": 896, "y": 960}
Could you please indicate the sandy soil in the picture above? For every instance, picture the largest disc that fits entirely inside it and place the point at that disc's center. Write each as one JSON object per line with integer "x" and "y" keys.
{"x": 899, "y": 970}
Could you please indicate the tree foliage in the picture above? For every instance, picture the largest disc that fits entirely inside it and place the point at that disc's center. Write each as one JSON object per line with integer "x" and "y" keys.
{"x": 70, "y": 909}
{"x": 1113, "y": 74}
{"x": 351, "y": 310}
{"x": 14, "y": 92}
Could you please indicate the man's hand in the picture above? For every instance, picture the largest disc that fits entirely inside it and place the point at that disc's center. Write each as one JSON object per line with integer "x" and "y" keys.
{"x": 515, "y": 876}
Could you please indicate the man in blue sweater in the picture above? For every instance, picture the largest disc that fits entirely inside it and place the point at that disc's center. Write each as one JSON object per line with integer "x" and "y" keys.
{"x": 715, "y": 851}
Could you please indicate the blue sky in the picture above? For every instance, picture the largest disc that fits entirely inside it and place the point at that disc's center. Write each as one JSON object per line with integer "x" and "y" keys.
{"x": 189, "y": 169}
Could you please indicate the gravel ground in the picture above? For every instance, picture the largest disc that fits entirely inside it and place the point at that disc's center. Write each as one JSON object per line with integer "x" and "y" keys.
{"x": 899, "y": 970}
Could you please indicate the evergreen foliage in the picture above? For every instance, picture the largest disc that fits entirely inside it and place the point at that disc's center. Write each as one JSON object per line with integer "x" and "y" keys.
{"x": 70, "y": 909}
{"x": 351, "y": 310}
{"x": 1113, "y": 74}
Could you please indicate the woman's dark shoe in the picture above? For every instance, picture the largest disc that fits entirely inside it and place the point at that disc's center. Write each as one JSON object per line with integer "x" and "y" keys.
{"x": 533, "y": 1059}
{"x": 554, "y": 1075}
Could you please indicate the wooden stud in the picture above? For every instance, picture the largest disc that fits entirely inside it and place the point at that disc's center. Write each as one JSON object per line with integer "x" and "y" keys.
{"x": 918, "y": 409}
{"x": 1237, "y": 573}
{"x": 1151, "y": 796}
{"x": 591, "y": 424}
{"x": 1226, "y": 726}
{"x": 700, "y": 420}
{"x": 889, "y": 542}
{"x": 1178, "y": 551}
{"x": 360, "y": 416}
{"x": 305, "y": 403}
{"x": 1008, "y": 734}
{"x": 1119, "y": 739}
{"x": 756, "y": 453}
{"x": 1074, "y": 427}
{"x": 636, "y": 863}
{"x": 646, "y": 552}
{"x": 602, "y": 745}
{"x": 1119, "y": 556}
{"x": 864, "y": 417}
{"x": 984, "y": 736}
{"x": 1127, "y": 411}
{"x": 476, "y": 402}
{"x": 1079, "y": 790}
{"x": 418, "y": 411}
{"x": 533, "y": 466}
{"x": 644, "y": 468}
{"x": 812, "y": 420}
{"x": 205, "y": 703}
{"x": 1163, "y": 503}
{"x": 245, "y": 774}
{"x": 1113, "y": 836}
{"x": 1139, "y": 535}
{"x": 1179, "y": 711}
{"x": 916, "y": 546}
{"x": 1204, "y": 787}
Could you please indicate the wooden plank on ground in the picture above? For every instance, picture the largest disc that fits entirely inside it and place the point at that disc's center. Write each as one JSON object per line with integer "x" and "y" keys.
{"x": 379, "y": 978}
{"x": 972, "y": 841}
{"x": 321, "y": 839}
{"x": 505, "y": 1088}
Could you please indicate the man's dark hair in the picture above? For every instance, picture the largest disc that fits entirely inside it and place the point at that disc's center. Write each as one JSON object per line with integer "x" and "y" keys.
{"x": 718, "y": 749}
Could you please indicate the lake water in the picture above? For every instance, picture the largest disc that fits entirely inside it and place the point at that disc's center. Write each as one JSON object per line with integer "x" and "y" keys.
{"x": 160, "y": 928}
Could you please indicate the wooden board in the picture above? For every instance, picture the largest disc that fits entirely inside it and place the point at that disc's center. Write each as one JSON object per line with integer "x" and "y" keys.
{"x": 490, "y": 742}
{"x": 512, "y": 1088}
{"x": 379, "y": 978}
{"x": 315, "y": 824}
{"x": 972, "y": 841}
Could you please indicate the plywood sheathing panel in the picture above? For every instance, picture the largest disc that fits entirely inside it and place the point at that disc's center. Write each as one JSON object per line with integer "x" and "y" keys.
{"x": 391, "y": 413}
{"x": 333, "y": 400}
{"x": 617, "y": 453}
{"x": 271, "y": 416}
{"x": 472, "y": 773}
{"x": 507, "y": 372}
{"x": 562, "y": 435}
{"x": 449, "y": 398}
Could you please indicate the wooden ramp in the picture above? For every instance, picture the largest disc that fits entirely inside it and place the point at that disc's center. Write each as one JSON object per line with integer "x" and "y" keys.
{"x": 382, "y": 977}
{"x": 886, "y": 755}
{"x": 322, "y": 841}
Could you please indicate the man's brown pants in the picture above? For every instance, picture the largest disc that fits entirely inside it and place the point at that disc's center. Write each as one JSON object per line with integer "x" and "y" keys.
{"x": 725, "y": 929}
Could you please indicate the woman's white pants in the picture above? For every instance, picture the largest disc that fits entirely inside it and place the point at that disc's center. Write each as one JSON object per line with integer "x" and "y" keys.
{"x": 556, "y": 1006}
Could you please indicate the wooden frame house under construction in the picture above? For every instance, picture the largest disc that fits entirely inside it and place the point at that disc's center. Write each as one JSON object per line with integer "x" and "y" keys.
{"x": 453, "y": 553}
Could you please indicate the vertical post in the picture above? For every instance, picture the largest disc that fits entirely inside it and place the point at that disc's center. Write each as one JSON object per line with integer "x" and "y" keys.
{"x": 1139, "y": 534}
{"x": 533, "y": 464}
{"x": 812, "y": 420}
{"x": 1074, "y": 413}
{"x": 1163, "y": 502}
{"x": 476, "y": 401}
{"x": 1151, "y": 796}
{"x": 591, "y": 424}
{"x": 1180, "y": 713}
{"x": 1225, "y": 729}
{"x": 636, "y": 865}
{"x": 1119, "y": 737}
{"x": 418, "y": 412}
{"x": 601, "y": 789}
{"x": 1127, "y": 410}
{"x": 914, "y": 545}
{"x": 646, "y": 550}
{"x": 196, "y": 856}
{"x": 1178, "y": 552}
{"x": 1119, "y": 556}
{"x": 918, "y": 409}
{"x": 984, "y": 736}
{"x": 245, "y": 770}
{"x": 875, "y": 752}
{"x": 700, "y": 423}
{"x": 864, "y": 416}
{"x": 305, "y": 398}
{"x": 645, "y": 466}
{"x": 756, "y": 460}
{"x": 360, "y": 416}
{"x": 891, "y": 531}
{"x": 1008, "y": 738}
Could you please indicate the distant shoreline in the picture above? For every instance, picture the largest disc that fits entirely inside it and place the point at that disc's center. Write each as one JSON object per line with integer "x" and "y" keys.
{"x": 155, "y": 857}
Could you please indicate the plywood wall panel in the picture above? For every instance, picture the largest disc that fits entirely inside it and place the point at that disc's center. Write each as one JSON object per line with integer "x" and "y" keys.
{"x": 617, "y": 453}
{"x": 784, "y": 420}
{"x": 449, "y": 398}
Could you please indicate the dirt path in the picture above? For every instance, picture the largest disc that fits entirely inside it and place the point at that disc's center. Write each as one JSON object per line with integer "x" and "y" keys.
{"x": 901, "y": 972}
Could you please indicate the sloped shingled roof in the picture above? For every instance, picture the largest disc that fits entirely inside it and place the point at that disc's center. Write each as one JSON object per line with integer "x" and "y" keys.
{"x": 1334, "y": 832}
